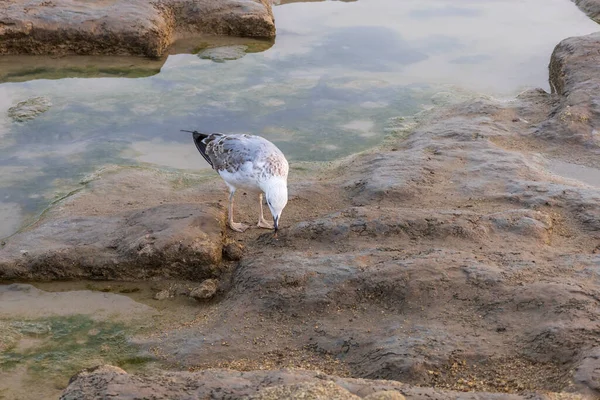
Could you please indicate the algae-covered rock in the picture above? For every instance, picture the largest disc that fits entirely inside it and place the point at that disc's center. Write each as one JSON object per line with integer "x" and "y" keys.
{"x": 29, "y": 109}
{"x": 224, "y": 53}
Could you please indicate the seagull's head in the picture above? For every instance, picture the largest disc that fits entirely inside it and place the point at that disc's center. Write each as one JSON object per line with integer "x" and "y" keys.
{"x": 277, "y": 197}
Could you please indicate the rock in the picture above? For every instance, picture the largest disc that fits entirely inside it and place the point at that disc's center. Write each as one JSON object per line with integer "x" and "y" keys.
{"x": 233, "y": 251}
{"x": 29, "y": 109}
{"x": 98, "y": 370}
{"x": 170, "y": 240}
{"x": 162, "y": 295}
{"x": 385, "y": 395}
{"x": 134, "y": 27}
{"x": 576, "y": 116}
{"x": 219, "y": 384}
{"x": 590, "y": 7}
{"x": 225, "y": 53}
{"x": 9, "y": 336}
{"x": 587, "y": 372}
{"x": 206, "y": 290}
{"x": 326, "y": 390}
{"x": 105, "y": 372}
{"x": 178, "y": 289}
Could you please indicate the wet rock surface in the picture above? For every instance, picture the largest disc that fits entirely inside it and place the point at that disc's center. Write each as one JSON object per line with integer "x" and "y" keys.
{"x": 116, "y": 27}
{"x": 29, "y": 109}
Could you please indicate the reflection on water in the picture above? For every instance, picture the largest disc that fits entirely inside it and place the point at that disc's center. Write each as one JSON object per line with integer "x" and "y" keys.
{"x": 336, "y": 73}
{"x": 25, "y": 68}
{"x": 165, "y": 154}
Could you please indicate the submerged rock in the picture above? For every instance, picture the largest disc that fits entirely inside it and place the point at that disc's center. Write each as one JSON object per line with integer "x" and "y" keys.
{"x": 162, "y": 295}
{"x": 206, "y": 290}
{"x": 29, "y": 109}
{"x": 225, "y": 53}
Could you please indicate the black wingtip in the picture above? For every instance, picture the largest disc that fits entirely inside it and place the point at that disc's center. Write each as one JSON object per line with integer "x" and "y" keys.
{"x": 200, "y": 145}
{"x": 199, "y": 136}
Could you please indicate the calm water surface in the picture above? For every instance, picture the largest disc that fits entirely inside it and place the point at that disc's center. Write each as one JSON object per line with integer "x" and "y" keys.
{"x": 327, "y": 87}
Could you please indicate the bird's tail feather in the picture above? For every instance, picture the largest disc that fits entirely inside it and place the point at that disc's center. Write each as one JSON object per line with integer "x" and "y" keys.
{"x": 199, "y": 142}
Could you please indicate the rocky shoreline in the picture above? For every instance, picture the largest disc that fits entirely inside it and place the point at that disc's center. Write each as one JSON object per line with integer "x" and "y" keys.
{"x": 125, "y": 27}
{"x": 459, "y": 260}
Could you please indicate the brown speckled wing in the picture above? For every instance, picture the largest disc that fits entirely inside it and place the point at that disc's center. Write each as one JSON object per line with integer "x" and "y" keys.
{"x": 231, "y": 152}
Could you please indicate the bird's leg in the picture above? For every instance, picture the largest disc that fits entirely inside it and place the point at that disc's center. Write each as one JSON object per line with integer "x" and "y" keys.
{"x": 262, "y": 223}
{"x": 236, "y": 226}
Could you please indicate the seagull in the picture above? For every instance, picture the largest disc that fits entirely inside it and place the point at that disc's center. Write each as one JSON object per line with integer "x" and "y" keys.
{"x": 251, "y": 163}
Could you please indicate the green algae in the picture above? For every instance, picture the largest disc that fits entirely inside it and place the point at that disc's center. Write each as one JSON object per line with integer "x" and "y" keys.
{"x": 48, "y": 351}
{"x": 65, "y": 345}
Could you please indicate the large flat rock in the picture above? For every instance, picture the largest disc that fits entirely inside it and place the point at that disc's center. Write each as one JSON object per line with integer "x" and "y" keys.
{"x": 124, "y": 27}
{"x": 171, "y": 240}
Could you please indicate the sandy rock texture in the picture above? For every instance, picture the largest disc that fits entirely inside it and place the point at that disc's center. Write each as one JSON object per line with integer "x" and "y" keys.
{"x": 124, "y": 27}
{"x": 175, "y": 240}
{"x": 122, "y": 227}
{"x": 258, "y": 385}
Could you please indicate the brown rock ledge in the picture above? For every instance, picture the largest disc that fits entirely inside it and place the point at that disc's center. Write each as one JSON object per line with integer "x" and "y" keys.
{"x": 217, "y": 384}
{"x": 124, "y": 27}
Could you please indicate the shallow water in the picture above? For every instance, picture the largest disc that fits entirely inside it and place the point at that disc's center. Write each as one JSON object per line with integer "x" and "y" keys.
{"x": 326, "y": 88}
{"x": 588, "y": 175}
{"x": 46, "y": 337}
{"x": 53, "y": 330}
